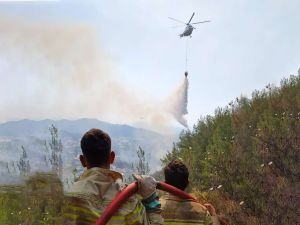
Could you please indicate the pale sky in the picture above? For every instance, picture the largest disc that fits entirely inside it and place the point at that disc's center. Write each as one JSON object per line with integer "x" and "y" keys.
{"x": 129, "y": 51}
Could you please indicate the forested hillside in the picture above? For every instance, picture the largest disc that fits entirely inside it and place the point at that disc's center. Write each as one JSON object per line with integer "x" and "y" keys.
{"x": 245, "y": 158}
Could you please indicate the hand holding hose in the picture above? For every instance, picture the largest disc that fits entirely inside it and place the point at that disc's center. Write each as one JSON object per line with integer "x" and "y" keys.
{"x": 147, "y": 189}
{"x": 146, "y": 185}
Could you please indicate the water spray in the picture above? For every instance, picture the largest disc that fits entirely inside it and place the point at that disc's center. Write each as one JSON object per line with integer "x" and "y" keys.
{"x": 179, "y": 102}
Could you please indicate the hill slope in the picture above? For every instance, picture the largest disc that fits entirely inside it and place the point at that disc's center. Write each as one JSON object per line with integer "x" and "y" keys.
{"x": 246, "y": 158}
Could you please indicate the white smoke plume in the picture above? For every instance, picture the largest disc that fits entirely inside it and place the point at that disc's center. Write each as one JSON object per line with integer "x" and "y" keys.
{"x": 50, "y": 70}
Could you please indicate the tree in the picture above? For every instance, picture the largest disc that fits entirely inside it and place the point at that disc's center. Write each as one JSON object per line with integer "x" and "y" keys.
{"x": 54, "y": 149}
{"x": 13, "y": 165}
{"x": 23, "y": 163}
{"x": 7, "y": 167}
{"x": 142, "y": 166}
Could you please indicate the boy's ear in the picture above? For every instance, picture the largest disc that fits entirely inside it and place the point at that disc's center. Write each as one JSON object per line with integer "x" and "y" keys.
{"x": 112, "y": 157}
{"x": 83, "y": 160}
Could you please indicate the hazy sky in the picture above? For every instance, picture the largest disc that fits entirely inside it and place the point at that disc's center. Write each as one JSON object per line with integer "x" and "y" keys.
{"x": 120, "y": 61}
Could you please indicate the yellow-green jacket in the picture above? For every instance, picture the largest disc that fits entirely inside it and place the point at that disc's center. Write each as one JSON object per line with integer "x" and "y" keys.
{"x": 89, "y": 197}
{"x": 177, "y": 211}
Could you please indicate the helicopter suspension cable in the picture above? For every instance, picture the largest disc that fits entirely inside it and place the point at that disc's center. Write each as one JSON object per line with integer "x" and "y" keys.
{"x": 186, "y": 55}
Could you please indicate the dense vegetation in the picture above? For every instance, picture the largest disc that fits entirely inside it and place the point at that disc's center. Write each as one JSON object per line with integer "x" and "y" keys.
{"x": 245, "y": 158}
{"x": 37, "y": 202}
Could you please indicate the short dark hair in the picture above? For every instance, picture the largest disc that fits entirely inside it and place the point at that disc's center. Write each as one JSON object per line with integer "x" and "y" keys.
{"x": 96, "y": 146}
{"x": 177, "y": 174}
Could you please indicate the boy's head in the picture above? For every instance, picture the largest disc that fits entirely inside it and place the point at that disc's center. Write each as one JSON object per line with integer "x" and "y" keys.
{"x": 96, "y": 149}
{"x": 177, "y": 174}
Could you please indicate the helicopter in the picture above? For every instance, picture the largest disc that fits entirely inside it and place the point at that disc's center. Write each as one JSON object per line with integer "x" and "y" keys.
{"x": 189, "y": 27}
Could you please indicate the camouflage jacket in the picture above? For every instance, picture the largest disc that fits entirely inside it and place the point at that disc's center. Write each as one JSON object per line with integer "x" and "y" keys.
{"x": 89, "y": 197}
{"x": 177, "y": 211}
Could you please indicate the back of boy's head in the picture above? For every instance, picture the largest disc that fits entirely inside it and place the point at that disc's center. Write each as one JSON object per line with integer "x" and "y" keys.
{"x": 96, "y": 147}
{"x": 177, "y": 174}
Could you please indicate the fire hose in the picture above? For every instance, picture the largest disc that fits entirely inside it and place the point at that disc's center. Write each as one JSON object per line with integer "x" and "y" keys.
{"x": 131, "y": 190}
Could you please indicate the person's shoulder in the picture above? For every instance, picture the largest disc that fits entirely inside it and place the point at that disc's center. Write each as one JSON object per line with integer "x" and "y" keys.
{"x": 198, "y": 206}
{"x": 81, "y": 186}
{"x": 164, "y": 198}
{"x": 187, "y": 206}
{"x": 133, "y": 205}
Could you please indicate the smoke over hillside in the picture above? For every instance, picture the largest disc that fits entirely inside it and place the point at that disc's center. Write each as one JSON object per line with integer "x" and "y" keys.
{"x": 59, "y": 70}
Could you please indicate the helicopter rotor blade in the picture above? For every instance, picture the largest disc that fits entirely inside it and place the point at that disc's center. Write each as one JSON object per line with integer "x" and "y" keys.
{"x": 206, "y": 21}
{"x": 177, "y": 20}
{"x": 178, "y": 26}
{"x": 191, "y": 18}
